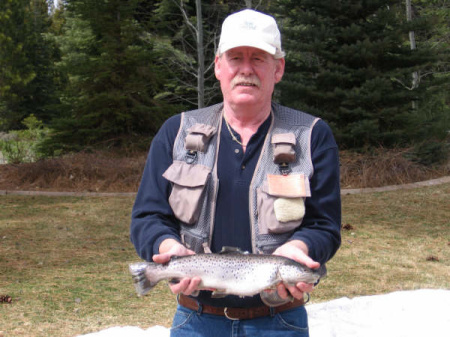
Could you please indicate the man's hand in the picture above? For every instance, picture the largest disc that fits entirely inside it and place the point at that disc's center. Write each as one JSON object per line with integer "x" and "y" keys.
{"x": 298, "y": 251}
{"x": 169, "y": 248}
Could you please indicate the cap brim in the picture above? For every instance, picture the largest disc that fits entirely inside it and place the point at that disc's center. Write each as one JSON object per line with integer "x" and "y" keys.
{"x": 255, "y": 44}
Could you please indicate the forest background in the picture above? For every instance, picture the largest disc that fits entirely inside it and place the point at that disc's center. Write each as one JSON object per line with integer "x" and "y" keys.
{"x": 85, "y": 75}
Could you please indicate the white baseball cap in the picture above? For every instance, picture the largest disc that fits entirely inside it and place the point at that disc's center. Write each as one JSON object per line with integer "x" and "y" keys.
{"x": 250, "y": 28}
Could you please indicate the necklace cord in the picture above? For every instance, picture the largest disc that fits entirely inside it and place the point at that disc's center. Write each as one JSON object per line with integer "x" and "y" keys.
{"x": 232, "y": 134}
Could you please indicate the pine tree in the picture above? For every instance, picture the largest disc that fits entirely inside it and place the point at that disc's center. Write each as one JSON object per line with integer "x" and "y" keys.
{"x": 16, "y": 72}
{"x": 26, "y": 75}
{"x": 108, "y": 61}
{"x": 349, "y": 62}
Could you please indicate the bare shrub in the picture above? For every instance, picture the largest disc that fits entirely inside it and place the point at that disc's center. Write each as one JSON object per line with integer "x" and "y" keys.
{"x": 117, "y": 172}
{"x": 384, "y": 167}
{"x": 92, "y": 172}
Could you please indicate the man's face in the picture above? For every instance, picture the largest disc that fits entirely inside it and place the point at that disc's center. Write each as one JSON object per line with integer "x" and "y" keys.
{"x": 248, "y": 76}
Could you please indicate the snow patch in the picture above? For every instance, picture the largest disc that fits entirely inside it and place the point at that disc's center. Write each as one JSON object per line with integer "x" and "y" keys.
{"x": 413, "y": 313}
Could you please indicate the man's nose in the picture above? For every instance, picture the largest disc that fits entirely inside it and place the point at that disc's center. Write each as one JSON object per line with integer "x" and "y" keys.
{"x": 246, "y": 67}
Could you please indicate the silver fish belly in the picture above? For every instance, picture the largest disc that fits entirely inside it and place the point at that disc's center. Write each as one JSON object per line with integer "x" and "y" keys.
{"x": 229, "y": 272}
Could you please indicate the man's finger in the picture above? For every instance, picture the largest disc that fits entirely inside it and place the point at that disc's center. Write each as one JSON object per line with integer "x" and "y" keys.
{"x": 305, "y": 287}
{"x": 295, "y": 292}
{"x": 192, "y": 286}
{"x": 282, "y": 292}
{"x": 179, "y": 287}
{"x": 161, "y": 258}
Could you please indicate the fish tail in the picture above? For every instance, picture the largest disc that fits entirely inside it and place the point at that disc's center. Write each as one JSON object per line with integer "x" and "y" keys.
{"x": 141, "y": 283}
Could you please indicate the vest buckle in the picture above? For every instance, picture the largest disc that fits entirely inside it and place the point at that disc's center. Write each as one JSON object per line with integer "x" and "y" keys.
{"x": 191, "y": 156}
{"x": 284, "y": 168}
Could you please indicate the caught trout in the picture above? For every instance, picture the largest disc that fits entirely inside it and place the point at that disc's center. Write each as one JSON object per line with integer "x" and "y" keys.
{"x": 230, "y": 272}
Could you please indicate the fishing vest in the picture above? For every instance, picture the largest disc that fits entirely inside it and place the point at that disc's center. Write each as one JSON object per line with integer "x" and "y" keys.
{"x": 278, "y": 188}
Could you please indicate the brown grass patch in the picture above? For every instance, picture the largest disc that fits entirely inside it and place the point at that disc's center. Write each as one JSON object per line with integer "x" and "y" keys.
{"x": 113, "y": 172}
{"x": 384, "y": 167}
{"x": 86, "y": 172}
{"x": 63, "y": 260}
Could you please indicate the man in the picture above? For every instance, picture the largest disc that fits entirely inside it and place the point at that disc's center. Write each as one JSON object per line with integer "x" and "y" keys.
{"x": 247, "y": 173}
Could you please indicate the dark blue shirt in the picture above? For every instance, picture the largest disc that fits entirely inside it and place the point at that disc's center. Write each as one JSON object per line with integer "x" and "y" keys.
{"x": 153, "y": 220}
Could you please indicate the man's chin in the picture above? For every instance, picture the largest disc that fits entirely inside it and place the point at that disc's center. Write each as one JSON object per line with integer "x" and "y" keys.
{"x": 243, "y": 100}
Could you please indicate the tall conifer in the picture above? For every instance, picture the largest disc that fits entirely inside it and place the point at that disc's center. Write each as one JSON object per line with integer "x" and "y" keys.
{"x": 350, "y": 62}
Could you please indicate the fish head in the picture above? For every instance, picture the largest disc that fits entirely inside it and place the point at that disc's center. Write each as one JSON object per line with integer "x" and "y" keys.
{"x": 293, "y": 272}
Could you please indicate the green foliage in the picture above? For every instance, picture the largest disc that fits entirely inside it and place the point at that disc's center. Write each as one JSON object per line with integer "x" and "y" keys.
{"x": 350, "y": 63}
{"x": 175, "y": 25}
{"x": 26, "y": 72}
{"x": 106, "y": 73}
{"x": 430, "y": 153}
{"x": 16, "y": 70}
{"x": 430, "y": 132}
{"x": 111, "y": 77}
{"x": 22, "y": 146}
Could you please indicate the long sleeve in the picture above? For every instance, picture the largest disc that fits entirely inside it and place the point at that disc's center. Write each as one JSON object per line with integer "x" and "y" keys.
{"x": 320, "y": 229}
{"x": 152, "y": 219}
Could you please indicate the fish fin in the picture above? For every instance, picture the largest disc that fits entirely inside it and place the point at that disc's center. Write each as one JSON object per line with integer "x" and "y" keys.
{"x": 174, "y": 257}
{"x": 272, "y": 299}
{"x": 142, "y": 283}
{"x": 228, "y": 250}
{"x": 322, "y": 270}
{"x": 218, "y": 293}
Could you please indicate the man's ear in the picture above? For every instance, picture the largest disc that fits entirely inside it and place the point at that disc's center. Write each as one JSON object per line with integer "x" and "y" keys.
{"x": 279, "y": 69}
{"x": 217, "y": 67}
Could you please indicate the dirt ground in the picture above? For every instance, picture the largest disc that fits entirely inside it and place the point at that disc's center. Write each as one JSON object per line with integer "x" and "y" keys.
{"x": 113, "y": 172}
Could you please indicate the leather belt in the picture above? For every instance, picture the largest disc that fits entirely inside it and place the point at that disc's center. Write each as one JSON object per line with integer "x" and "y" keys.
{"x": 237, "y": 313}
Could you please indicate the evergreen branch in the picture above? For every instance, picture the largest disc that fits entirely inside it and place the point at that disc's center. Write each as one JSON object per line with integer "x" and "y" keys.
{"x": 192, "y": 28}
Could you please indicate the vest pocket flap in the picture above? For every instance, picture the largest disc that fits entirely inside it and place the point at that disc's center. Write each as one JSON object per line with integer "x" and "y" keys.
{"x": 198, "y": 137}
{"x": 288, "y": 186}
{"x": 284, "y": 138}
{"x": 187, "y": 175}
{"x": 204, "y": 129}
{"x": 189, "y": 183}
{"x": 283, "y": 148}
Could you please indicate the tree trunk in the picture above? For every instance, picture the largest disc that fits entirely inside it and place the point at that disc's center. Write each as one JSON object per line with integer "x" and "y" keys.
{"x": 412, "y": 41}
{"x": 200, "y": 56}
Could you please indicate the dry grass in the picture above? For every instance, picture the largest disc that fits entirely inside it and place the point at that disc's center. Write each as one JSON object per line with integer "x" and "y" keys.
{"x": 87, "y": 172}
{"x": 64, "y": 260}
{"x": 392, "y": 241}
{"x": 113, "y": 172}
{"x": 383, "y": 168}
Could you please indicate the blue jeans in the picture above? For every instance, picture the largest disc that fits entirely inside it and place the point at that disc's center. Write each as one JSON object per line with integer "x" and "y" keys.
{"x": 190, "y": 323}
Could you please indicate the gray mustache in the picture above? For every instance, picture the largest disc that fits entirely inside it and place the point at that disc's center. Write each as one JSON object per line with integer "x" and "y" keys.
{"x": 252, "y": 80}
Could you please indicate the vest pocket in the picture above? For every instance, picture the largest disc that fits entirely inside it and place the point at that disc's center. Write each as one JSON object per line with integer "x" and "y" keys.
{"x": 188, "y": 185}
{"x": 193, "y": 241}
{"x": 281, "y": 210}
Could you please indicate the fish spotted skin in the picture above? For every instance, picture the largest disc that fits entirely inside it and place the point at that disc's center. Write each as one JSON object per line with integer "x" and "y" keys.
{"x": 229, "y": 272}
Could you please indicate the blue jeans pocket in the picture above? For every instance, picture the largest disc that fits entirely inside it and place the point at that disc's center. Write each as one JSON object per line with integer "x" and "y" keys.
{"x": 182, "y": 317}
{"x": 294, "y": 320}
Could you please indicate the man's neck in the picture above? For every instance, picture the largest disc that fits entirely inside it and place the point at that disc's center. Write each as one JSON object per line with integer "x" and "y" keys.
{"x": 246, "y": 120}
{"x": 246, "y": 117}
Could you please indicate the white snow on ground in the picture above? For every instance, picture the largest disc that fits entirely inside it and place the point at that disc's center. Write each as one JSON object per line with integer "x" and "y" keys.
{"x": 131, "y": 331}
{"x": 398, "y": 314}
{"x": 414, "y": 313}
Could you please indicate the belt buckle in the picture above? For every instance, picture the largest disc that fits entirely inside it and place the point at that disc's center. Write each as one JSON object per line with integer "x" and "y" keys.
{"x": 225, "y": 312}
